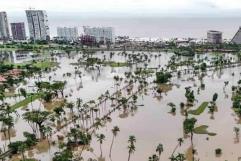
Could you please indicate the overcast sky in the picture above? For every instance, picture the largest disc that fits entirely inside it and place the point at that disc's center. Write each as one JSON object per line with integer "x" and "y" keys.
{"x": 160, "y": 7}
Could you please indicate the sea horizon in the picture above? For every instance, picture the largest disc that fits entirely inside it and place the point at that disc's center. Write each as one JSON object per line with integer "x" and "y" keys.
{"x": 147, "y": 26}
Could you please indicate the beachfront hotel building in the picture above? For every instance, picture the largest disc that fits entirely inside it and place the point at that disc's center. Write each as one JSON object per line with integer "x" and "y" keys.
{"x": 4, "y": 29}
{"x": 18, "y": 31}
{"x": 101, "y": 34}
{"x": 214, "y": 37}
{"x": 67, "y": 33}
{"x": 237, "y": 37}
{"x": 38, "y": 24}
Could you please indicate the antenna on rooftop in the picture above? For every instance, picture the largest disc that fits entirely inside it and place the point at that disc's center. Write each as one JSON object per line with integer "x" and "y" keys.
{"x": 31, "y": 8}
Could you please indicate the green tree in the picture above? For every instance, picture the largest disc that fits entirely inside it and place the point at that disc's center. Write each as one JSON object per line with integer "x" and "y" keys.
{"x": 215, "y": 97}
{"x": 23, "y": 92}
{"x": 38, "y": 118}
{"x": 65, "y": 155}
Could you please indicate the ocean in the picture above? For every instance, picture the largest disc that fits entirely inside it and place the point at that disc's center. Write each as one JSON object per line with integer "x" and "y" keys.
{"x": 157, "y": 27}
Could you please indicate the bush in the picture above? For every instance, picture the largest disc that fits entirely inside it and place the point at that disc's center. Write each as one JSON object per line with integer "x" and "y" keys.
{"x": 218, "y": 151}
{"x": 163, "y": 77}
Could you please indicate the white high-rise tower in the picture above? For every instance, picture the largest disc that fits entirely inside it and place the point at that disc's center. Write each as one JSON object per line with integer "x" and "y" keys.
{"x": 38, "y": 24}
{"x": 4, "y": 29}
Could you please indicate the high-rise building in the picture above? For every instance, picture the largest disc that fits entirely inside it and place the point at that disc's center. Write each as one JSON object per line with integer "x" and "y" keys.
{"x": 214, "y": 37}
{"x": 4, "y": 29}
{"x": 67, "y": 33}
{"x": 18, "y": 31}
{"x": 38, "y": 24}
{"x": 237, "y": 37}
{"x": 102, "y": 34}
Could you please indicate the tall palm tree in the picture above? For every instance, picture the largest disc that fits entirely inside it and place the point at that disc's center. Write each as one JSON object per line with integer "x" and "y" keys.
{"x": 188, "y": 126}
{"x": 131, "y": 147}
{"x": 48, "y": 132}
{"x": 180, "y": 141}
{"x": 159, "y": 150}
{"x": 115, "y": 131}
{"x": 22, "y": 149}
{"x": 70, "y": 106}
{"x": 100, "y": 138}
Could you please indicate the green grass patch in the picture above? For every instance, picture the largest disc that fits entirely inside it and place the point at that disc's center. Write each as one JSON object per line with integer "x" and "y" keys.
{"x": 116, "y": 64}
{"x": 199, "y": 110}
{"x": 45, "y": 64}
{"x": 144, "y": 72}
{"x": 203, "y": 130}
{"x": 26, "y": 101}
{"x": 39, "y": 64}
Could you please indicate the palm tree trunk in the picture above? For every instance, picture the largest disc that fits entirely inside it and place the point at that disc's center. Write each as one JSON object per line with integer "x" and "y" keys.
{"x": 112, "y": 142}
{"x": 192, "y": 146}
{"x": 100, "y": 151}
{"x": 9, "y": 135}
{"x": 129, "y": 156}
{"x": 83, "y": 147}
{"x": 23, "y": 157}
{"x": 175, "y": 149}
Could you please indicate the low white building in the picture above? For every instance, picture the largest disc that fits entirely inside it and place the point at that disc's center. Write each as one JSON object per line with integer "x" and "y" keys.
{"x": 68, "y": 33}
{"x": 102, "y": 34}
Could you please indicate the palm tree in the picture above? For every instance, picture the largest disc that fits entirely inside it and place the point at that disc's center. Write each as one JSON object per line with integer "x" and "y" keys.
{"x": 48, "y": 132}
{"x": 70, "y": 106}
{"x": 22, "y": 149}
{"x": 180, "y": 141}
{"x": 153, "y": 158}
{"x": 188, "y": 126}
{"x": 79, "y": 103}
{"x": 100, "y": 138}
{"x": 115, "y": 130}
{"x": 6, "y": 119}
{"x": 159, "y": 150}
{"x": 180, "y": 157}
{"x": 131, "y": 147}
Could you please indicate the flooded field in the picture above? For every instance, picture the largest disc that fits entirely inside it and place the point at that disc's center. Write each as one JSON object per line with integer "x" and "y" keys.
{"x": 151, "y": 119}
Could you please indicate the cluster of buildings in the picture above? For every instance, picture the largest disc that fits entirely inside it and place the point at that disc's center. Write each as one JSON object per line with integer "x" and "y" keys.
{"x": 215, "y": 37}
{"x": 91, "y": 35}
{"x": 38, "y": 26}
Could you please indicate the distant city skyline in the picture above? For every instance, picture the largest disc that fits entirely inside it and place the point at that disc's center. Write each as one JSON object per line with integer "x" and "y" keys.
{"x": 135, "y": 18}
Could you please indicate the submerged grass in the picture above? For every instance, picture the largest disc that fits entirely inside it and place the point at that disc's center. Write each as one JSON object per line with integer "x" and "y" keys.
{"x": 26, "y": 101}
{"x": 39, "y": 64}
{"x": 199, "y": 110}
{"x": 45, "y": 64}
{"x": 116, "y": 64}
{"x": 203, "y": 130}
